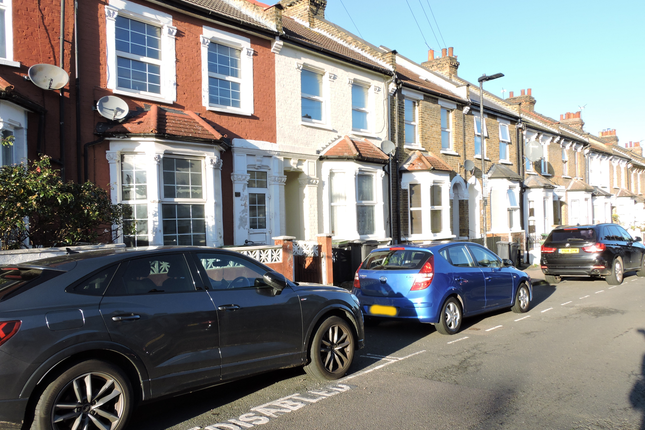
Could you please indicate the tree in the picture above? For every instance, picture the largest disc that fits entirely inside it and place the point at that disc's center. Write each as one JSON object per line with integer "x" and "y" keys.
{"x": 37, "y": 207}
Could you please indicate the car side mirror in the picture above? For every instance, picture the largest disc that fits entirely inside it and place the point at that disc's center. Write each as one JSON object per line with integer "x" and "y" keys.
{"x": 507, "y": 262}
{"x": 276, "y": 281}
{"x": 638, "y": 239}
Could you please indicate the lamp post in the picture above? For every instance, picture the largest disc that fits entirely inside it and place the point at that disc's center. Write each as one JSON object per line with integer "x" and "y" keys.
{"x": 482, "y": 125}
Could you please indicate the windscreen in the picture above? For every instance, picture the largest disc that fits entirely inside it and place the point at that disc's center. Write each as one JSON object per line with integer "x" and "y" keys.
{"x": 574, "y": 234}
{"x": 395, "y": 259}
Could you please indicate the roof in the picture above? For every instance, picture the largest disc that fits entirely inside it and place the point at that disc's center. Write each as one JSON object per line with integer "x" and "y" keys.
{"x": 317, "y": 39}
{"x": 622, "y": 192}
{"x": 599, "y": 192}
{"x": 499, "y": 171}
{"x": 579, "y": 185}
{"x": 409, "y": 77}
{"x": 247, "y": 12}
{"x": 538, "y": 181}
{"x": 349, "y": 148}
{"x": 167, "y": 123}
{"x": 418, "y": 161}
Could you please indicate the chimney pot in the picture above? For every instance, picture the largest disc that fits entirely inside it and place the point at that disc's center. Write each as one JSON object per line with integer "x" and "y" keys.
{"x": 510, "y": 94}
{"x": 450, "y": 52}
{"x": 637, "y": 144}
{"x": 430, "y": 54}
{"x": 529, "y": 91}
{"x": 523, "y": 92}
{"x": 443, "y": 52}
{"x": 561, "y": 116}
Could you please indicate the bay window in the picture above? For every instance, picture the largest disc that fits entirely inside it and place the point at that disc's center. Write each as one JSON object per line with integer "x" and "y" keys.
{"x": 365, "y": 203}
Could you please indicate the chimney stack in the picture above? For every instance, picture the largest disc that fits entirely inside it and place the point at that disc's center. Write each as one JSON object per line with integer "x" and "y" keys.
{"x": 608, "y": 137}
{"x": 572, "y": 120}
{"x": 527, "y": 100}
{"x": 446, "y": 65}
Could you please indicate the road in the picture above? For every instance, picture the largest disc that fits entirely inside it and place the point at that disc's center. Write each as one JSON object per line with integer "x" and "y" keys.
{"x": 576, "y": 360}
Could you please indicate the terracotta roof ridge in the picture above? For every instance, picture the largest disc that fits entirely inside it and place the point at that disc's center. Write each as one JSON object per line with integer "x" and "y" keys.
{"x": 201, "y": 121}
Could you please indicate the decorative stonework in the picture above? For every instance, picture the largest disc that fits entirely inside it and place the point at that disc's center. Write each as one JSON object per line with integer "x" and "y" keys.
{"x": 216, "y": 162}
{"x": 263, "y": 255}
{"x": 205, "y": 41}
{"x": 112, "y": 157}
{"x": 158, "y": 158}
{"x": 276, "y": 47}
{"x": 170, "y": 30}
{"x": 240, "y": 178}
{"x": 278, "y": 180}
{"x": 305, "y": 248}
{"x": 111, "y": 12}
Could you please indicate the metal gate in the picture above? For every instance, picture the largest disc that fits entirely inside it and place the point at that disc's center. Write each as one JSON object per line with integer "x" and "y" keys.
{"x": 307, "y": 261}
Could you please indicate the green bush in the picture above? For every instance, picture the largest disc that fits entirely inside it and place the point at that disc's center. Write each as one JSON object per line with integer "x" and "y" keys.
{"x": 38, "y": 207}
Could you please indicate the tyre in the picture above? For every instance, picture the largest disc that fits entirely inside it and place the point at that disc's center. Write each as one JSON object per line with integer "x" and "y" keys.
{"x": 91, "y": 395}
{"x": 522, "y": 299}
{"x": 552, "y": 279}
{"x": 451, "y": 316}
{"x": 332, "y": 349}
{"x": 616, "y": 275}
{"x": 641, "y": 269}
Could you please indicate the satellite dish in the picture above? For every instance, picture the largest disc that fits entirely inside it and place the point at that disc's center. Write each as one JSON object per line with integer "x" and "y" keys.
{"x": 112, "y": 107}
{"x": 469, "y": 165}
{"x": 533, "y": 151}
{"x": 48, "y": 76}
{"x": 388, "y": 147}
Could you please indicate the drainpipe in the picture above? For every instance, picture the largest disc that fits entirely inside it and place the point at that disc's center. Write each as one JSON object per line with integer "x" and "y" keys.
{"x": 77, "y": 83}
{"x": 61, "y": 100}
{"x": 521, "y": 167}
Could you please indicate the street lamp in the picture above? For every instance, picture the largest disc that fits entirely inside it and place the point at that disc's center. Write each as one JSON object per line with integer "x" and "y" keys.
{"x": 482, "y": 125}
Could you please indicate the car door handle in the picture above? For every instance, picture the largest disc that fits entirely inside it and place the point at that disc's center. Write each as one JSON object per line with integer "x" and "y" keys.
{"x": 126, "y": 317}
{"x": 488, "y": 278}
{"x": 228, "y": 308}
{"x": 459, "y": 279}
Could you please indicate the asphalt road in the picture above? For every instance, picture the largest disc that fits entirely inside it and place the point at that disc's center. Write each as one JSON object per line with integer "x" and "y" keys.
{"x": 576, "y": 360}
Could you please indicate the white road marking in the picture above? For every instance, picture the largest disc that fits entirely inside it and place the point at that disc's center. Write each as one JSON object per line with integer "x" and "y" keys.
{"x": 583, "y": 297}
{"x": 458, "y": 340}
{"x": 547, "y": 310}
{"x": 494, "y": 328}
{"x": 615, "y": 286}
{"x": 523, "y": 318}
{"x": 565, "y": 303}
{"x": 381, "y": 366}
{"x": 601, "y": 291}
{"x": 381, "y": 357}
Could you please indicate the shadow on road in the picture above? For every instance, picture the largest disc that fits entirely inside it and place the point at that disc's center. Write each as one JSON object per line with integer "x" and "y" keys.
{"x": 637, "y": 396}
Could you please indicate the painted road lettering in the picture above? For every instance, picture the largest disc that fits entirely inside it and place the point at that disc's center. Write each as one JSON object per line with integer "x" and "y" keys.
{"x": 262, "y": 414}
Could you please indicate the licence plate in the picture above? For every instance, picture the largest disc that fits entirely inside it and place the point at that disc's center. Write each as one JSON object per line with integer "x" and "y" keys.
{"x": 383, "y": 310}
{"x": 569, "y": 250}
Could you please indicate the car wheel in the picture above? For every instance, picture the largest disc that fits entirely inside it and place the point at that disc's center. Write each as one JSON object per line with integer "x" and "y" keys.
{"x": 522, "y": 299}
{"x": 90, "y": 395}
{"x": 641, "y": 270}
{"x": 450, "y": 319}
{"x": 552, "y": 279}
{"x": 332, "y": 349}
{"x": 616, "y": 276}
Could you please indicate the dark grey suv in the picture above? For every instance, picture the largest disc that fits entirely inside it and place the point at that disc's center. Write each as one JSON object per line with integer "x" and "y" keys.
{"x": 600, "y": 250}
{"x": 85, "y": 337}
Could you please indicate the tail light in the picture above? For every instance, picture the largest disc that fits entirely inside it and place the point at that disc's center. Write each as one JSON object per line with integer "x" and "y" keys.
{"x": 547, "y": 249}
{"x": 596, "y": 247}
{"x": 8, "y": 329}
{"x": 357, "y": 282}
{"x": 423, "y": 279}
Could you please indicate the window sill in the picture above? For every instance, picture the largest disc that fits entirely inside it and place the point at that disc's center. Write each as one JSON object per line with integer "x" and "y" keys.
{"x": 320, "y": 126}
{"x": 531, "y": 173}
{"x": 449, "y": 152}
{"x": 364, "y": 133}
{"x": 143, "y": 96}
{"x": 414, "y": 148}
{"x": 566, "y": 176}
{"x": 232, "y": 111}
{"x": 548, "y": 175}
{"x": 479, "y": 157}
{"x": 5, "y": 62}
{"x": 508, "y": 163}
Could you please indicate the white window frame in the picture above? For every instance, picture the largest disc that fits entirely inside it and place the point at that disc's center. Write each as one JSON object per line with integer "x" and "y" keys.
{"x": 337, "y": 204}
{"x": 615, "y": 171}
{"x": 544, "y": 161}
{"x": 11, "y": 124}
{"x": 366, "y": 110}
{"x": 414, "y": 98}
{"x": 167, "y": 63}
{"x": 513, "y": 210}
{"x": 243, "y": 44}
{"x": 449, "y": 108}
{"x": 418, "y": 209}
{"x": 623, "y": 176}
{"x": 434, "y": 208}
{"x": 505, "y": 142}
{"x": 259, "y": 191}
{"x": 367, "y": 203}
{"x": 7, "y": 7}
{"x": 482, "y": 137}
{"x": 322, "y": 99}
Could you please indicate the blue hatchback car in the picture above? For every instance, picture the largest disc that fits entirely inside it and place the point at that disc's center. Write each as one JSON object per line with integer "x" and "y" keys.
{"x": 439, "y": 284}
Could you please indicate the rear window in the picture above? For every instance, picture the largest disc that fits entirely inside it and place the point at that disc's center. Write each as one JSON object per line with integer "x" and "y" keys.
{"x": 575, "y": 234}
{"x": 14, "y": 280}
{"x": 395, "y": 259}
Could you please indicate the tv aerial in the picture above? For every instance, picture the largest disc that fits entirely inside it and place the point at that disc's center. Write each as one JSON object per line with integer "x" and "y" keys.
{"x": 112, "y": 108}
{"x": 48, "y": 76}
{"x": 469, "y": 165}
{"x": 388, "y": 147}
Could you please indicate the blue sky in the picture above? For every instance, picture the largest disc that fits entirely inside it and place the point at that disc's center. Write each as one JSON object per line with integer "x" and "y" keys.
{"x": 570, "y": 53}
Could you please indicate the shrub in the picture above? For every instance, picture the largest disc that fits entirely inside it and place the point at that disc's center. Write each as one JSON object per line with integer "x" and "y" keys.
{"x": 37, "y": 207}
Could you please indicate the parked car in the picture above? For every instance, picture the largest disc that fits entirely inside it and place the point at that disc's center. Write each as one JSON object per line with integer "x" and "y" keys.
{"x": 85, "y": 337}
{"x": 600, "y": 250}
{"x": 438, "y": 284}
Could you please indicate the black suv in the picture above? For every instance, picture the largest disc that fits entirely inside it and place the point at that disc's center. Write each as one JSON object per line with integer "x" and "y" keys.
{"x": 601, "y": 250}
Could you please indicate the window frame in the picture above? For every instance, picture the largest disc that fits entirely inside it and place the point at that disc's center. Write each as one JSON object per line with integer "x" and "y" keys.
{"x": 321, "y": 99}
{"x": 414, "y": 123}
{"x": 7, "y": 60}
{"x": 447, "y": 129}
{"x": 167, "y": 62}
{"x": 362, "y": 110}
{"x": 245, "y": 80}
{"x": 504, "y": 143}
{"x": 480, "y": 135}
{"x": 336, "y": 204}
{"x": 371, "y": 204}
{"x": 264, "y": 191}
{"x": 434, "y": 208}
{"x": 415, "y": 208}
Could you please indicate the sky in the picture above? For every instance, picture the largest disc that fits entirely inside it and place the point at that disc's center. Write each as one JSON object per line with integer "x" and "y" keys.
{"x": 586, "y": 55}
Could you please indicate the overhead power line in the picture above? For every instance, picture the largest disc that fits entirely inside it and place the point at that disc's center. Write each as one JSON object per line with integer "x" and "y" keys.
{"x": 415, "y": 20}
{"x": 351, "y": 19}
{"x": 427, "y": 19}
{"x": 435, "y": 21}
